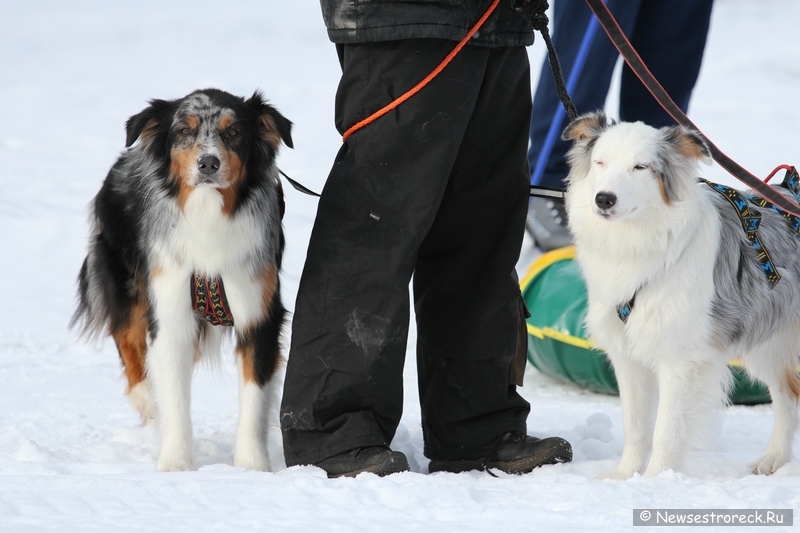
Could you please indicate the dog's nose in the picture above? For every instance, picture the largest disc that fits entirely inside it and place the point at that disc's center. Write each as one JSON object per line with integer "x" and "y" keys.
{"x": 208, "y": 164}
{"x": 605, "y": 200}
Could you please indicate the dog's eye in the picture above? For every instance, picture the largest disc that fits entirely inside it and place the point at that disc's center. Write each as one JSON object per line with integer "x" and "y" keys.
{"x": 185, "y": 132}
{"x": 640, "y": 167}
{"x": 599, "y": 163}
{"x": 232, "y": 132}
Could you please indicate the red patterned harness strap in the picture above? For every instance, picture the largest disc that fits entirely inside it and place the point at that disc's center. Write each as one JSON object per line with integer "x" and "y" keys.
{"x": 209, "y": 301}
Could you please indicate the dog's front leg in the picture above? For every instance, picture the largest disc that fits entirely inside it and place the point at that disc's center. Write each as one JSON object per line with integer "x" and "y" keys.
{"x": 636, "y": 386}
{"x": 169, "y": 364}
{"x": 676, "y": 380}
{"x": 258, "y": 355}
{"x": 251, "y": 449}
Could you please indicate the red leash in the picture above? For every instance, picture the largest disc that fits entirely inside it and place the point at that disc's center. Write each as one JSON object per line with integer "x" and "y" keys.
{"x": 787, "y": 168}
{"x": 634, "y": 61}
{"x": 418, "y": 87}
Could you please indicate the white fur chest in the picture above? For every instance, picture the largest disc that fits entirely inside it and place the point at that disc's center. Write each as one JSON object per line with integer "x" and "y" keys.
{"x": 673, "y": 287}
{"x": 205, "y": 239}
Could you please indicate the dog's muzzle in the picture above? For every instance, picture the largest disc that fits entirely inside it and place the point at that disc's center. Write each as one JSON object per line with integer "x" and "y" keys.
{"x": 605, "y": 202}
{"x": 208, "y": 165}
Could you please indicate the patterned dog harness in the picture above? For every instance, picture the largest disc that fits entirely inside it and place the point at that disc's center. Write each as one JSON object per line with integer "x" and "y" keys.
{"x": 624, "y": 310}
{"x": 792, "y": 182}
{"x": 751, "y": 219}
{"x": 209, "y": 301}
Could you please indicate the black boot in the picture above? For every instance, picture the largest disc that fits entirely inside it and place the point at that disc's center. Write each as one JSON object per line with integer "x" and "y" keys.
{"x": 378, "y": 460}
{"x": 547, "y": 223}
{"x": 512, "y": 453}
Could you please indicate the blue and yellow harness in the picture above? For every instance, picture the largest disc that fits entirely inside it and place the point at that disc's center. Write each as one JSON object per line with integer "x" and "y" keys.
{"x": 751, "y": 220}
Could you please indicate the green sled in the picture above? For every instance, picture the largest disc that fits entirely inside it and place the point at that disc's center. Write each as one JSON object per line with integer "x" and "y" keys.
{"x": 558, "y": 345}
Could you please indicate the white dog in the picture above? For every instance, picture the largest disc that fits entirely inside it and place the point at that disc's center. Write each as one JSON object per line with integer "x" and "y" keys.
{"x": 677, "y": 287}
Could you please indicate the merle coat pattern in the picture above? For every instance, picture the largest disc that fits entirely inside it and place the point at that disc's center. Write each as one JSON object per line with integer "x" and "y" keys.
{"x": 196, "y": 192}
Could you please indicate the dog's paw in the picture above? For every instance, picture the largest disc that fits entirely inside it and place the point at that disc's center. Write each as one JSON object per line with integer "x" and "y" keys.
{"x": 658, "y": 464}
{"x": 623, "y": 471}
{"x": 253, "y": 462}
{"x": 175, "y": 461}
{"x": 769, "y": 464}
{"x": 250, "y": 455}
{"x": 166, "y": 465}
{"x": 148, "y": 418}
{"x": 629, "y": 465}
{"x": 141, "y": 398}
{"x": 655, "y": 471}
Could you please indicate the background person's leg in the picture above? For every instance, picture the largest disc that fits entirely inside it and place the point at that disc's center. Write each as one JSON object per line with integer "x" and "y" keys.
{"x": 670, "y": 36}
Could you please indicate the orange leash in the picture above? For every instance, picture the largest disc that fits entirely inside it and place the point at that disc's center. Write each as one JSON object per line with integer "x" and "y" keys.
{"x": 418, "y": 87}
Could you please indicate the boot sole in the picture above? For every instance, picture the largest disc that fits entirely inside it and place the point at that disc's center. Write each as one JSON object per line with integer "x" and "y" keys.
{"x": 392, "y": 465}
{"x": 561, "y": 453}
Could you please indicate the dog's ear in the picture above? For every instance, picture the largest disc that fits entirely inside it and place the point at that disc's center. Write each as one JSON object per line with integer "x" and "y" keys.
{"x": 586, "y": 127}
{"x": 145, "y": 124}
{"x": 274, "y": 127}
{"x": 688, "y": 142}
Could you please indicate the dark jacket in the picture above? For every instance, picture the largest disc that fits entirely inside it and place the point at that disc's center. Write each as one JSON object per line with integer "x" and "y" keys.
{"x": 359, "y": 21}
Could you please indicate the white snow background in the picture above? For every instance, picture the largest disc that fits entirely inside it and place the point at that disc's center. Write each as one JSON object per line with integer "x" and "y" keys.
{"x": 73, "y": 456}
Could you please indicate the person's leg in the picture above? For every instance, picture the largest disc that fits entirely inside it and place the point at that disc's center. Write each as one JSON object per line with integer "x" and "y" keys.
{"x": 670, "y": 36}
{"x": 467, "y": 295}
{"x": 343, "y": 387}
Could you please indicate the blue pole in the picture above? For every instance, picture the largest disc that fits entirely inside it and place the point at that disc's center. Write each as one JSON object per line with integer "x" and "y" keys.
{"x": 558, "y": 117}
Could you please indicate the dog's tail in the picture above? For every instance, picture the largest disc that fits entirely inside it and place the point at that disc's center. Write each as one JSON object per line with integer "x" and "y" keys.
{"x": 91, "y": 316}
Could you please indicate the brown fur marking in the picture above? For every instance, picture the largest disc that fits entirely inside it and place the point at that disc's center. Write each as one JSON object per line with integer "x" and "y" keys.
{"x": 248, "y": 355}
{"x": 249, "y": 373}
{"x": 226, "y": 122}
{"x": 269, "y": 284}
{"x": 183, "y": 160}
{"x": 235, "y": 176}
{"x": 793, "y": 382}
{"x": 131, "y": 340}
{"x": 585, "y": 127}
{"x": 688, "y": 147}
{"x": 149, "y": 131}
{"x": 663, "y": 187}
{"x": 270, "y": 133}
{"x": 193, "y": 122}
{"x": 156, "y": 270}
{"x": 245, "y": 348}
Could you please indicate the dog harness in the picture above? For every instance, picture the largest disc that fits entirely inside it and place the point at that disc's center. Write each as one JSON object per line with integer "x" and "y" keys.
{"x": 624, "y": 310}
{"x": 792, "y": 182}
{"x": 209, "y": 301}
{"x": 751, "y": 219}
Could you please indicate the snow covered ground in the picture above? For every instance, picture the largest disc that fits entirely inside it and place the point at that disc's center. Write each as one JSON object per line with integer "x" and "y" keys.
{"x": 72, "y": 454}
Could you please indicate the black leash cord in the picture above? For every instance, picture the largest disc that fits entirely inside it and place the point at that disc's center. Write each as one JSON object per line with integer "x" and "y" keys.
{"x": 297, "y": 185}
{"x": 536, "y": 12}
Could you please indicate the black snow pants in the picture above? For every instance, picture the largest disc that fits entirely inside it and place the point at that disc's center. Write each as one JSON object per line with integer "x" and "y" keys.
{"x": 438, "y": 189}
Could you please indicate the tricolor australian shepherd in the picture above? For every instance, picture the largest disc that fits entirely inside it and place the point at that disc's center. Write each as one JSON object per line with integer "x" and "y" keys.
{"x": 186, "y": 244}
{"x": 683, "y": 275}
